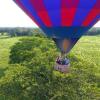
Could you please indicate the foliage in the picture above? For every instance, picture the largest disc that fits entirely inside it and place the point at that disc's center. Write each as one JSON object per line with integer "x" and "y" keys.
{"x": 27, "y": 48}
{"x": 93, "y": 31}
{"x": 10, "y": 84}
{"x": 34, "y": 78}
{"x": 40, "y": 81}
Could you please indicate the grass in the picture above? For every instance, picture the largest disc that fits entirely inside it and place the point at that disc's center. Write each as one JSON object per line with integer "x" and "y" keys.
{"x": 88, "y": 48}
{"x": 5, "y": 44}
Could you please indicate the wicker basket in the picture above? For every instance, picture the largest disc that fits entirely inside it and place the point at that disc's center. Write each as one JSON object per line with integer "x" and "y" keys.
{"x": 62, "y": 68}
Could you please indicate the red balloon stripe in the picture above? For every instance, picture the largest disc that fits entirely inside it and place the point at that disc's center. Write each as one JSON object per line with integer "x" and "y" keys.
{"x": 68, "y": 11}
{"x": 95, "y": 11}
{"x": 39, "y": 6}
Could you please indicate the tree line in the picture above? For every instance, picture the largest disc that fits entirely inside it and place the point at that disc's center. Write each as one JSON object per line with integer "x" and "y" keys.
{"x": 93, "y": 31}
{"x": 20, "y": 31}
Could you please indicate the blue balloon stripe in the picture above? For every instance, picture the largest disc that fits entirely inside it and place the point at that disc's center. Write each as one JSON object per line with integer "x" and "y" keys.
{"x": 83, "y": 10}
{"x": 29, "y": 7}
{"x": 95, "y": 20}
{"x": 65, "y": 32}
{"x": 53, "y": 8}
{"x": 24, "y": 9}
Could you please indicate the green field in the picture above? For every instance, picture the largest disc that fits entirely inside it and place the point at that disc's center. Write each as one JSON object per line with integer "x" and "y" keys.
{"x": 88, "y": 49}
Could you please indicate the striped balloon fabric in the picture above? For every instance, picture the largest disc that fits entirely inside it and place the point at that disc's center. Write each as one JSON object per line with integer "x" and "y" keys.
{"x": 62, "y": 18}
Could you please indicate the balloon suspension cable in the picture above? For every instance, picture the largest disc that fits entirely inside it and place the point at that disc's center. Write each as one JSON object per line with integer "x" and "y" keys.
{"x": 63, "y": 55}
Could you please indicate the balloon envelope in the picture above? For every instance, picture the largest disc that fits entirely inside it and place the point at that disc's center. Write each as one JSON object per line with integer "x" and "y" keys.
{"x": 62, "y": 19}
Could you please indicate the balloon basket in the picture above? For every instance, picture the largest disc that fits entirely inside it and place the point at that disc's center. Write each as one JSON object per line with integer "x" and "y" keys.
{"x": 62, "y": 68}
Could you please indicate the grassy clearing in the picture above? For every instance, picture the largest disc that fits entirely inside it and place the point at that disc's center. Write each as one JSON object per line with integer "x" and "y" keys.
{"x": 5, "y": 44}
{"x": 88, "y": 48}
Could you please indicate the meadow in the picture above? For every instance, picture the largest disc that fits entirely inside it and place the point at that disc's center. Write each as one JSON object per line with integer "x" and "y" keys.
{"x": 87, "y": 50}
{"x": 5, "y": 44}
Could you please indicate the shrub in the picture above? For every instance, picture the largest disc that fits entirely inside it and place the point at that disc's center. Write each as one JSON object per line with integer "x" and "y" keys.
{"x": 33, "y": 82}
{"x": 25, "y": 49}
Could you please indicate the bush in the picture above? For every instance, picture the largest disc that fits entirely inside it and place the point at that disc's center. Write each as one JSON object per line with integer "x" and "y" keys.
{"x": 11, "y": 84}
{"x": 27, "y": 48}
{"x": 34, "y": 82}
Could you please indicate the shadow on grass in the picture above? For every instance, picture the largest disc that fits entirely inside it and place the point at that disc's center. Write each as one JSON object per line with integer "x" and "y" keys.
{"x": 2, "y": 72}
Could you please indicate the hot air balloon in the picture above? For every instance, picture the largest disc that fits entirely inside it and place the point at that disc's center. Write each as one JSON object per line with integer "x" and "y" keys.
{"x": 65, "y": 21}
